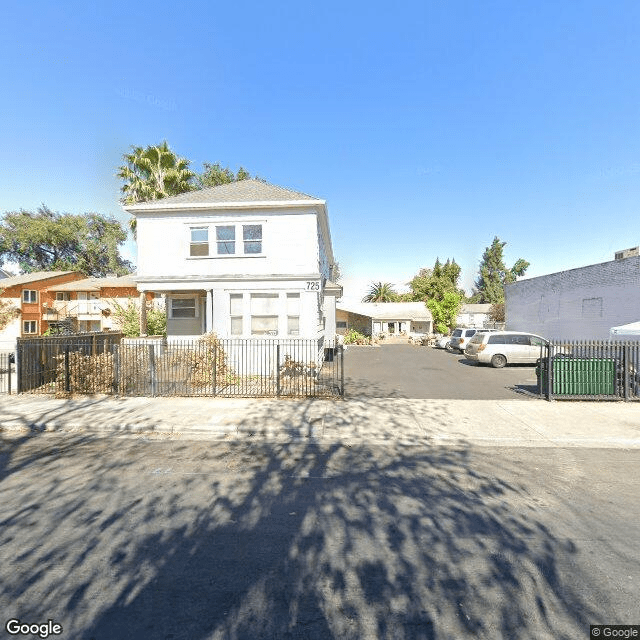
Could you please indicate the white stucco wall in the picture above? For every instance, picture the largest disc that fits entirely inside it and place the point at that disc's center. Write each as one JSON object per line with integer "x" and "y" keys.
{"x": 11, "y": 332}
{"x": 581, "y": 304}
{"x": 289, "y": 244}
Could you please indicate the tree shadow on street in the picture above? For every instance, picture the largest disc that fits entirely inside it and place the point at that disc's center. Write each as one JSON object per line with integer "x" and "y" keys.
{"x": 125, "y": 538}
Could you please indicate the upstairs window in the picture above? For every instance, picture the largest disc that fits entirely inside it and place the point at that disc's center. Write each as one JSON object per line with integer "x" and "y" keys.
{"x": 252, "y": 238}
{"x": 199, "y": 241}
{"x": 62, "y": 296}
{"x": 226, "y": 240}
{"x": 29, "y": 295}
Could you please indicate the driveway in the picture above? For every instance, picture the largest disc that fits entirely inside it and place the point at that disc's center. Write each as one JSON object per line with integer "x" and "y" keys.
{"x": 407, "y": 371}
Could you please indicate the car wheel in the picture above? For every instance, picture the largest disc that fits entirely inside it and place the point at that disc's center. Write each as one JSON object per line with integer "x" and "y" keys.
{"x": 498, "y": 361}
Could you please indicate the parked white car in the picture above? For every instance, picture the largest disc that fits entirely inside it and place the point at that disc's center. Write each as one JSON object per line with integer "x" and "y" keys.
{"x": 461, "y": 336}
{"x": 505, "y": 347}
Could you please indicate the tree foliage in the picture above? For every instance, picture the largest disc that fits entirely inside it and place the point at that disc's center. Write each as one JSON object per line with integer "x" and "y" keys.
{"x": 154, "y": 172}
{"x": 381, "y": 292}
{"x": 433, "y": 284}
{"x": 215, "y": 174}
{"x": 496, "y": 312}
{"x": 493, "y": 274}
{"x": 445, "y": 310}
{"x": 51, "y": 241}
{"x": 129, "y": 319}
{"x": 8, "y": 312}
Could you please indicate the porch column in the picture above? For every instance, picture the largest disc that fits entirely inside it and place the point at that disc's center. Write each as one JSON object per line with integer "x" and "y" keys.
{"x": 208, "y": 317}
{"x": 143, "y": 313}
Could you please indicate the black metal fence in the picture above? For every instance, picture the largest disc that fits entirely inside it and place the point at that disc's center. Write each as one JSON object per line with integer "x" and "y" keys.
{"x": 7, "y": 373}
{"x": 590, "y": 370}
{"x": 86, "y": 363}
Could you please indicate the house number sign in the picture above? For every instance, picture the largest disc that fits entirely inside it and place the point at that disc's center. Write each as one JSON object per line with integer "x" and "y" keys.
{"x": 313, "y": 286}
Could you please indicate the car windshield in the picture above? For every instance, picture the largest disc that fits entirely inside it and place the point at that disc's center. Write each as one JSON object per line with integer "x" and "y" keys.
{"x": 457, "y": 333}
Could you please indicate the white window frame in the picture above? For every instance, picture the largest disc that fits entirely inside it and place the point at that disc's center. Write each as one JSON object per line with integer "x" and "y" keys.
{"x": 26, "y": 330}
{"x": 273, "y": 295}
{"x": 30, "y": 293}
{"x": 236, "y": 316}
{"x": 198, "y": 243}
{"x": 239, "y": 241}
{"x": 195, "y": 297}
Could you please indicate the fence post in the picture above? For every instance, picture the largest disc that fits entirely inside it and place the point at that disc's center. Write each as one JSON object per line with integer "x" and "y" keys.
{"x": 215, "y": 367}
{"x": 341, "y": 371}
{"x": 9, "y": 372}
{"x": 625, "y": 364}
{"x": 152, "y": 370}
{"x": 278, "y": 369}
{"x": 67, "y": 381}
{"x": 18, "y": 367}
{"x": 549, "y": 372}
{"x": 116, "y": 367}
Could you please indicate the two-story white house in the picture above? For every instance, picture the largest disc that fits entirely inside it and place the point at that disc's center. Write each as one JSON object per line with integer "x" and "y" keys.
{"x": 244, "y": 260}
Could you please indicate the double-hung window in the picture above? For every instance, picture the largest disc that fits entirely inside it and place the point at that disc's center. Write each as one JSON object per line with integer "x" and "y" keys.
{"x": 264, "y": 314}
{"x": 226, "y": 239}
{"x": 252, "y": 238}
{"x": 235, "y": 309}
{"x": 293, "y": 314}
{"x": 199, "y": 241}
{"x": 30, "y": 326}
{"x": 29, "y": 295}
{"x": 62, "y": 296}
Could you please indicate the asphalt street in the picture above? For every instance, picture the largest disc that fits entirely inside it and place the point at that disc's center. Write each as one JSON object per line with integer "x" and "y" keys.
{"x": 161, "y": 538}
{"x": 407, "y": 371}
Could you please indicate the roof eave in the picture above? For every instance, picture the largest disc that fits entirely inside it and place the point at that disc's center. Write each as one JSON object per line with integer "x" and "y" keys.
{"x": 157, "y": 205}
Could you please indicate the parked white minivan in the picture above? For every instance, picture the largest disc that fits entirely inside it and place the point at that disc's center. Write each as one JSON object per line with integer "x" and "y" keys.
{"x": 505, "y": 347}
{"x": 461, "y": 336}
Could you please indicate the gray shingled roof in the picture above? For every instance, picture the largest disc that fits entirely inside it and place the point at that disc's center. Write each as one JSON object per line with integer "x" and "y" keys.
{"x": 94, "y": 284}
{"x": 35, "y": 276}
{"x": 243, "y": 191}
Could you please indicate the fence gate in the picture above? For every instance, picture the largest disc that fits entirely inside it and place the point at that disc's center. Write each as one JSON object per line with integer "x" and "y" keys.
{"x": 590, "y": 370}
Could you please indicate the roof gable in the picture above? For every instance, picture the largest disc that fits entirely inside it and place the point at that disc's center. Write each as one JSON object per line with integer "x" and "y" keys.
{"x": 35, "y": 276}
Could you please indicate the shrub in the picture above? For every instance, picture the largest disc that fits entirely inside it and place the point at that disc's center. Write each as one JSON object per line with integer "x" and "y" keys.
{"x": 353, "y": 337}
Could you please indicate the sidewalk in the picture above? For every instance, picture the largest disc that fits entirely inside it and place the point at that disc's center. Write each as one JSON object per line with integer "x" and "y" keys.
{"x": 533, "y": 423}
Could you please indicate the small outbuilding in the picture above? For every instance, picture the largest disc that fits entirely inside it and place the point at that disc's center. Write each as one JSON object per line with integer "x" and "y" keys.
{"x": 389, "y": 318}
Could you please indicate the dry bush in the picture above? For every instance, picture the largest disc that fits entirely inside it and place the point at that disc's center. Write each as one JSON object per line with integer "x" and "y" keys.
{"x": 87, "y": 374}
{"x": 198, "y": 363}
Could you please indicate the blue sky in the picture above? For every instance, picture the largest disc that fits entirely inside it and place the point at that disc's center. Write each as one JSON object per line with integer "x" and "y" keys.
{"x": 429, "y": 127}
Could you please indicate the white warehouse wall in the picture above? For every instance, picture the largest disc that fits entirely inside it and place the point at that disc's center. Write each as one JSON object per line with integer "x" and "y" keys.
{"x": 580, "y": 304}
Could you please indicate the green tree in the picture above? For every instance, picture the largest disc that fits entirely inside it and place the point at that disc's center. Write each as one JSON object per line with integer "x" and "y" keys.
{"x": 8, "y": 312}
{"x": 51, "y": 241}
{"x": 215, "y": 174}
{"x": 493, "y": 274}
{"x": 431, "y": 284}
{"x": 129, "y": 319}
{"x": 153, "y": 173}
{"x": 445, "y": 311}
{"x": 381, "y": 292}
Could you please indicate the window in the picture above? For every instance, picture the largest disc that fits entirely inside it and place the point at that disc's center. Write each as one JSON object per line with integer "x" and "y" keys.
{"x": 252, "y": 238}
{"x": 29, "y": 296}
{"x": 29, "y": 326}
{"x": 293, "y": 314}
{"x": 226, "y": 240}
{"x": 235, "y": 308}
{"x": 63, "y": 296}
{"x": 341, "y": 325}
{"x": 518, "y": 339}
{"x": 264, "y": 314}
{"x": 184, "y": 308}
{"x": 199, "y": 241}
{"x": 497, "y": 339}
{"x": 538, "y": 342}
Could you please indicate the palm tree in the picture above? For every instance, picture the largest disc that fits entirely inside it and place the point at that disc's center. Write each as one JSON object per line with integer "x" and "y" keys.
{"x": 152, "y": 173}
{"x": 381, "y": 292}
